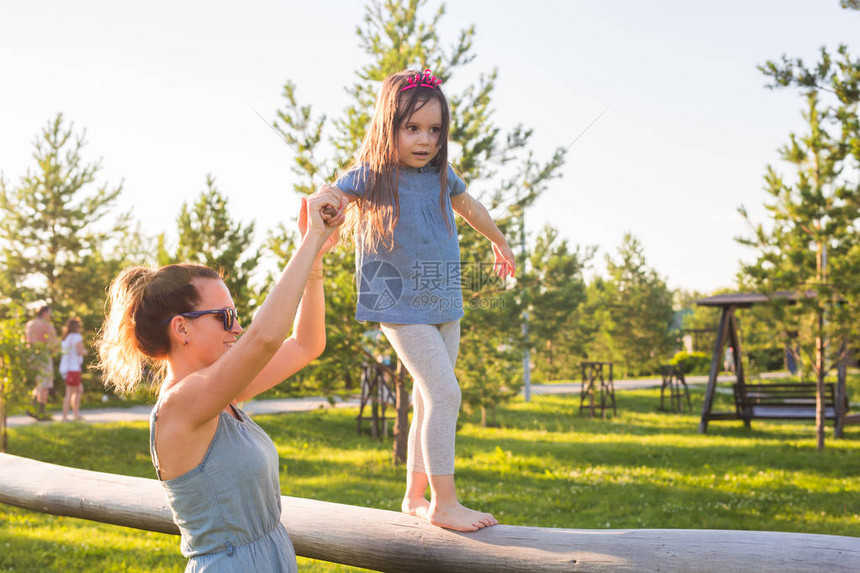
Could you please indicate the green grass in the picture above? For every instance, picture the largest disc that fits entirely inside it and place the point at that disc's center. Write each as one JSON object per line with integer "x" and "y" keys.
{"x": 543, "y": 465}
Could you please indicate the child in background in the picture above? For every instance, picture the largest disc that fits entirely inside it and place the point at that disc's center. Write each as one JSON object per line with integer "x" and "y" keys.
{"x": 403, "y": 195}
{"x": 70, "y": 367}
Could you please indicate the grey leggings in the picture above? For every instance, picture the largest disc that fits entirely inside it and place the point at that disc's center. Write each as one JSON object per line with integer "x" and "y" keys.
{"x": 429, "y": 352}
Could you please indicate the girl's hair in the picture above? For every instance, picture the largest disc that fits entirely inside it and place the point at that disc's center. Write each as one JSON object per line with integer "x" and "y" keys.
{"x": 72, "y": 325}
{"x": 376, "y": 212}
{"x": 135, "y": 333}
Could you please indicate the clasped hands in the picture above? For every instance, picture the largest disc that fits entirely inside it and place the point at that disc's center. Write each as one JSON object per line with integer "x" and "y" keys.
{"x": 324, "y": 211}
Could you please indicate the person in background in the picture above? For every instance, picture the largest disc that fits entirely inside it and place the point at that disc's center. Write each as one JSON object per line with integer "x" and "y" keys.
{"x": 729, "y": 359}
{"x": 41, "y": 337}
{"x": 70, "y": 367}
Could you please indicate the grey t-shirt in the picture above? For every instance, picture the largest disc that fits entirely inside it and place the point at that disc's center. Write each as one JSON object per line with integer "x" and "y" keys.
{"x": 418, "y": 281}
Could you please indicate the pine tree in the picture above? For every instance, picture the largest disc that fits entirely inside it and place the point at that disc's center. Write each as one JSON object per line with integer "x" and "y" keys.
{"x": 811, "y": 247}
{"x": 638, "y": 305}
{"x": 698, "y": 324}
{"x": 58, "y": 239}
{"x": 208, "y": 236}
{"x": 560, "y": 328}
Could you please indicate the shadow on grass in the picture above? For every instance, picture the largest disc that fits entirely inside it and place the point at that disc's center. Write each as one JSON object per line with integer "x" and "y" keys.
{"x": 121, "y": 448}
{"x": 37, "y": 542}
{"x": 601, "y": 500}
{"x": 686, "y": 458}
{"x": 639, "y": 414}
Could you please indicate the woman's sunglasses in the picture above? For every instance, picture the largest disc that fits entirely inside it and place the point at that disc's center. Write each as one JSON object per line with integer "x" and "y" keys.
{"x": 228, "y": 315}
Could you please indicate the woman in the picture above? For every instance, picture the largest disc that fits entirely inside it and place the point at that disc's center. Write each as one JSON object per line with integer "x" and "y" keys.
{"x": 70, "y": 367}
{"x": 218, "y": 468}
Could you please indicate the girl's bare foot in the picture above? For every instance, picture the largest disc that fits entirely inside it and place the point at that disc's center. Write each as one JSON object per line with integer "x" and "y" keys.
{"x": 416, "y": 506}
{"x": 459, "y": 518}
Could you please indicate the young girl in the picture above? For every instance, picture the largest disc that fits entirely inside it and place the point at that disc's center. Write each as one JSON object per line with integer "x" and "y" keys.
{"x": 407, "y": 271}
{"x": 70, "y": 363}
{"x": 218, "y": 468}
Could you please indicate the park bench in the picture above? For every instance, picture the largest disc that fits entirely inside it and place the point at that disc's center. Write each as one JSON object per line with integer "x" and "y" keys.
{"x": 795, "y": 401}
{"x": 767, "y": 401}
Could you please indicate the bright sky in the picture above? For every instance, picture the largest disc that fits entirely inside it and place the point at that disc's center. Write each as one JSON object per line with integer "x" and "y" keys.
{"x": 167, "y": 93}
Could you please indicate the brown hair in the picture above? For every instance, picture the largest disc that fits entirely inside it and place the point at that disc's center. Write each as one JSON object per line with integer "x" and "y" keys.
{"x": 375, "y": 213}
{"x": 72, "y": 325}
{"x": 135, "y": 333}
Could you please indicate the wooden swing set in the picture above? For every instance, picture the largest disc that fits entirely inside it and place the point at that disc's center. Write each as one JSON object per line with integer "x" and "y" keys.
{"x": 793, "y": 401}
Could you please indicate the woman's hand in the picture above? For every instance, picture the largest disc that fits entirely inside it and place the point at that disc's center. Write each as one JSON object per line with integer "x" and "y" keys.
{"x": 323, "y": 211}
{"x": 505, "y": 263}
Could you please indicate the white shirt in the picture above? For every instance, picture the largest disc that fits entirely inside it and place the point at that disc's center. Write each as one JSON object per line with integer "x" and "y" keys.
{"x": 71, "y": 361}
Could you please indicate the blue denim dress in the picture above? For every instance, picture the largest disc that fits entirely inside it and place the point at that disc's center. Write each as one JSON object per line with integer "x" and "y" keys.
{"x": 420, "y": 280}
{"x": 228, "y": 508}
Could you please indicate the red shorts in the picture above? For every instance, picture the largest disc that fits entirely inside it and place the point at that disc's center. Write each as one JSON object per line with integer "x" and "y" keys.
{"x": 73, "y": 379}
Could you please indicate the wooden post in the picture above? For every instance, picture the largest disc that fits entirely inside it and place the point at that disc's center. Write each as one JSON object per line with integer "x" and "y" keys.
{"x": 820, "y": 415}
{"x": 401, "y": 416}
{"x": 610, "y": 389}
{"x": 674, "y": 381}
{"x": 376, "y": 391}
{"x": 737, "y": 356}
{"x": 820, "y": 359}
{"x": 391, "y": 541}
{"x": 373, "y": 395}
{"x": 840, "y": 397}
{"x": 594, "y": 380}
{"x": 708, "y": 404}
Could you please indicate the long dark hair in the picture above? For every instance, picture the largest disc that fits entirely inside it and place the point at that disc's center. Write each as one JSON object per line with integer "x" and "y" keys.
{"x": 376, "y": 212}
{"x": 72, "y": 325}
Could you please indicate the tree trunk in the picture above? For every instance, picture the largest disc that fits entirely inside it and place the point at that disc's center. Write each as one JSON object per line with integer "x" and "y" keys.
{"x": 840, "y": 401}
{"x": 401, "y": 419}
{"x": 819, "y": 371}
{"x": 3, "y": 437}
{"x": 821, "y": 277}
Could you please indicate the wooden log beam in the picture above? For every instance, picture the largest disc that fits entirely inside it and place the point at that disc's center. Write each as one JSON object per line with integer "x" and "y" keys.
{"x": 391, "y": 541}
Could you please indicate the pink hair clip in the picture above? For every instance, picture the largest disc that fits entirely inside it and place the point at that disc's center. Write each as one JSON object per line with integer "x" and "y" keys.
{"x": 427, "y": 80}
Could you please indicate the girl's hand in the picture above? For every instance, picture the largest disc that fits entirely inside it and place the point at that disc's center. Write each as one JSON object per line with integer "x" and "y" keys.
{"x": 308, "y": 210}
{"x": 334, "y": 216}
{"x": 505, "y": 263}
